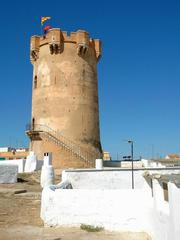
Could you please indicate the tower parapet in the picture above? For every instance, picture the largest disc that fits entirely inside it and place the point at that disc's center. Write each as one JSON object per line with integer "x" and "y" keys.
{"x": 56, "y": 38}
{"x": 34, "y": 50}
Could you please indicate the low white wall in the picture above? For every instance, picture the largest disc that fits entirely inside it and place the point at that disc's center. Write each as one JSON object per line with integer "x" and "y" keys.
{"x": 174, "y": 210}
{"x": 99, "y": 198}
{"x": 8, "y": 173}
{"x": 18, "y": 162}
{"x": 166, "y": 214}
{"x": 32, "y": 164}
{"x": 103, "y": 179}
{"x": 121, "y": 210}
{"x": 108, "y": 178}
{"x": 151, "y": 163}
{"x": 160, "y": 212}
{"x": 21, "y": 164}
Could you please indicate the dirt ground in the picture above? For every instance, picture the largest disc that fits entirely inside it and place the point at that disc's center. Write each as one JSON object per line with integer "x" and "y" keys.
{"x": 20, "y": 216}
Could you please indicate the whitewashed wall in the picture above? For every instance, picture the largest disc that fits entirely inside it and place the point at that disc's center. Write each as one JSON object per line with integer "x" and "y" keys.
{"x": 160, "y": 213}
{"x": 108, "y": 178}
{"x": 174, "y": 210}
{"x": 8, "y": 173}
{"x": 97, "y": 179}
{"x": 103, "y": 204}
{"x": 18, "y": 162}
{"x": 21, "y": 164}
{"x": 121, "y": 210}
{"x": 106, "y": 205}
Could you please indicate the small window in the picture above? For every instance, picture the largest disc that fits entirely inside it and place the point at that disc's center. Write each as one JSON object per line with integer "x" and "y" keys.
{"x": 35, "y": 82}
{"x": 165, "y": 191}
{"x": 33, "y": 123}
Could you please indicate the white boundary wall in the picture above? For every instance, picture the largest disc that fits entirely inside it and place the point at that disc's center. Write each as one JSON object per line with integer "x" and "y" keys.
{"x": 32, "y": 164}
{"x": 114, "y": 209}
{"x": 99, "y": 179}
{"x": 120, "y": 210}
{"x": 18, "y": 162}
{"x": 110, "y": 178}
{"x": 174, "y": 210}
{"x": 8, "y": 173}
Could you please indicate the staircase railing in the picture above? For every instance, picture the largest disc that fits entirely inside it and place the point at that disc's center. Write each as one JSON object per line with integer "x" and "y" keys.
{"x": 69, "y": 145}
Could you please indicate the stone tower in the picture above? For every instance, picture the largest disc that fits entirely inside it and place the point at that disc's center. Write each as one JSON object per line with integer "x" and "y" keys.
{"x": 65, "y": 112}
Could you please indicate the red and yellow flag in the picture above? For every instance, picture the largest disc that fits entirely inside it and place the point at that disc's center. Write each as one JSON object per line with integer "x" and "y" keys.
{"x": 43, "y": 19}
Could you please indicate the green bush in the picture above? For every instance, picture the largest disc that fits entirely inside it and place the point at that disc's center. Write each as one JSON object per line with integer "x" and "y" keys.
{"x": 90, "y": 228}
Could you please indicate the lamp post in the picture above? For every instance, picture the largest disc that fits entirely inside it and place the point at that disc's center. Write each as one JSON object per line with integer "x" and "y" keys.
{"x": 132, "y": 153}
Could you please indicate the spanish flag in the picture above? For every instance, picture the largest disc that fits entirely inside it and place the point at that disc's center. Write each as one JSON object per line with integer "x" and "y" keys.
{"x": 43, "y": 19}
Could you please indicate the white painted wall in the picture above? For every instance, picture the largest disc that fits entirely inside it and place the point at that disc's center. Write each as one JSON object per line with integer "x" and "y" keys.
{"x": 103, "y": 179}
{"x": 21, "y": 164}
{"x": 174, "y": 210}
{"x": 106, "y": 205}
{"x": 31, "y": 162}
{"x": 18, "y": 162}
{"x": 5, "y": 149}
{"x": 99, "y": 203}
{"x": 121, "y": 210}
{"x": 160, "y": 213}
{"x": 107, "y": 179}
{"x": 151, "y": 163}
{"x": 8, "y": 173}
{"x": 47, "y": 172}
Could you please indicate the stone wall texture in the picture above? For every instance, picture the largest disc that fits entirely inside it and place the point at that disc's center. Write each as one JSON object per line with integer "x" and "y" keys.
{"x": 65, "y": 95}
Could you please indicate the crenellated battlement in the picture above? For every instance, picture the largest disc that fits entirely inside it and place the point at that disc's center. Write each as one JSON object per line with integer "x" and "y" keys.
{"x": 56, "y": 38}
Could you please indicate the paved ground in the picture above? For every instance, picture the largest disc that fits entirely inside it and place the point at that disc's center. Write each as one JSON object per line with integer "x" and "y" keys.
{"x": 20, "y": 211}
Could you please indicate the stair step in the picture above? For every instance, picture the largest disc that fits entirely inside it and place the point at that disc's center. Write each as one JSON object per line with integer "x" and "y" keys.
{"x": 69, "y": 147}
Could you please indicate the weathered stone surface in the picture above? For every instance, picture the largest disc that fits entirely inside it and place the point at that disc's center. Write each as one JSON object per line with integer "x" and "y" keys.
{"x": 65, "y": 97}
{"x": 8, "y": 173}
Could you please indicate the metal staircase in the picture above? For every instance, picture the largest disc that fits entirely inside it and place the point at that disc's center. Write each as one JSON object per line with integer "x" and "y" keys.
{"x": 38, "y": 132}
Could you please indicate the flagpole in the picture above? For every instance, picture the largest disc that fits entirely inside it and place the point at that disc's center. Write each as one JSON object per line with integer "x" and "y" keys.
{"x": 43, "y": 19}
{"x": 41, "y": 28}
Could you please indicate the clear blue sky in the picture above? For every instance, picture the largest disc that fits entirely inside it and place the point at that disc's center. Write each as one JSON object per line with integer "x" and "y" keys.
{"x": 139, "y": 72}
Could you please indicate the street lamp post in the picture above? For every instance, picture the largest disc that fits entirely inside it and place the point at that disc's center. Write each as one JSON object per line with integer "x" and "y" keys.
{"x": 132, "y": 153}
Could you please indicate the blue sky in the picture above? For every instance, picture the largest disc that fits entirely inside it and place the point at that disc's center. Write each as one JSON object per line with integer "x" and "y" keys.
{"x": 139, "y": 72}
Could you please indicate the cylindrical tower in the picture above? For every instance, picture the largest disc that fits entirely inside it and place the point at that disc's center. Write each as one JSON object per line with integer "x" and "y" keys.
{"x": 65, "y": 112}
